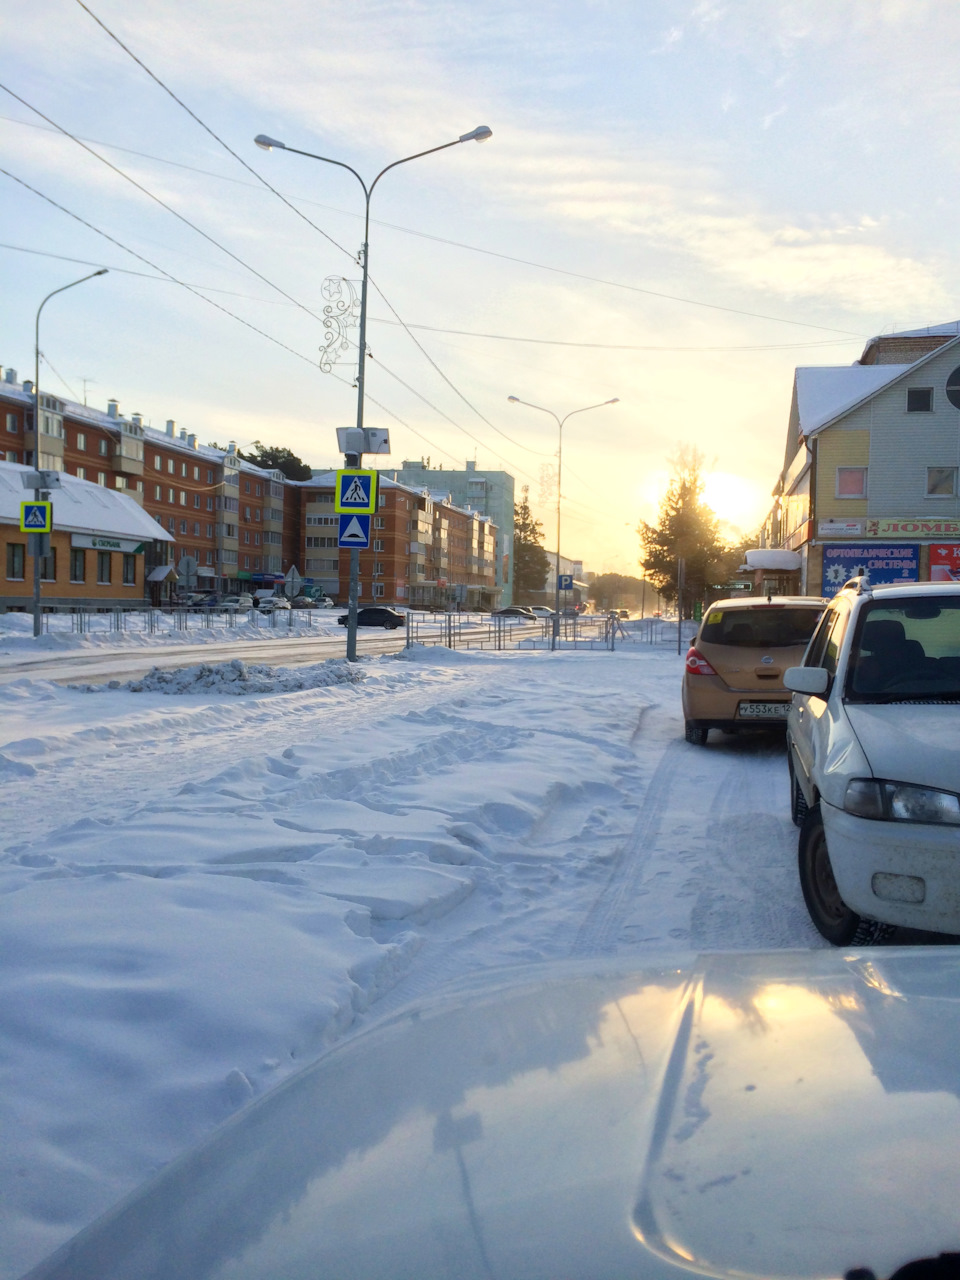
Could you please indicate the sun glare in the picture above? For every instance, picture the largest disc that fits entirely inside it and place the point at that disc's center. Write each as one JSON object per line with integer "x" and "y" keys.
{"x": 735, "y": 500}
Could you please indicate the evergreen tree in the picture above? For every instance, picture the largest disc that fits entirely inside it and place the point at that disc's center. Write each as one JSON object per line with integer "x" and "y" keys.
{"x": 276, "y": 458}
{"x": 687, "y": 530}
{"x": 530, "y": 562}
{"x": 608, "y": 590}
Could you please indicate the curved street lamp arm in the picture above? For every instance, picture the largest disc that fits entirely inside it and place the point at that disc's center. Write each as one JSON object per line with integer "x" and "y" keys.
{"x": 443, "y": 146}
{"x": 62, "y": 289}
{"x": 326, "y": 160}
{"x": 539, "y": 408}
{"x": 588, "y": 407}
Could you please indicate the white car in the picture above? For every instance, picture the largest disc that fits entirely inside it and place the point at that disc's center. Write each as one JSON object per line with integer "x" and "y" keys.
{"x": 873, "y": 739}
{"x": 735, "y": 1116}
{"x": 541, "y": 611}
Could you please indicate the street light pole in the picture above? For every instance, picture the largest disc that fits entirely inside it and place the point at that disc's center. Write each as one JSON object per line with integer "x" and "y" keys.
{"x": 41, "y": 495}
{"x": 555, "y": 632}
{"x": 480, "y": 134}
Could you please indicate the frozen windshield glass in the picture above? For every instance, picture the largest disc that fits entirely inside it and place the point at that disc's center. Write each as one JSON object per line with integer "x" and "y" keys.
{"x": 908, "y": 650}
{"x": 768, "y": 626}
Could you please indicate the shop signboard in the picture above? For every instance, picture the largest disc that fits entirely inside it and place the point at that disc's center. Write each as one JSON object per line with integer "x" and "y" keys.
{"x": 876, "y": 562}
{"x": 945, "y": 562}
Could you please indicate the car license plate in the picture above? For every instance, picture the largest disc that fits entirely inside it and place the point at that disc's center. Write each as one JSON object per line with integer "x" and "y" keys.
{"x": 763, "y": 710}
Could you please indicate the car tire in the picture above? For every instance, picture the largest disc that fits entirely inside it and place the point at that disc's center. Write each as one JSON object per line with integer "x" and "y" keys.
{"x": 834, "y": 920}
{"x": 695, "y": 732}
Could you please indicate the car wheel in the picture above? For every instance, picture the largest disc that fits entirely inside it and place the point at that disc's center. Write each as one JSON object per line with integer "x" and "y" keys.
{"x": 695, "y": 732}
{"x": 834, "y": 920}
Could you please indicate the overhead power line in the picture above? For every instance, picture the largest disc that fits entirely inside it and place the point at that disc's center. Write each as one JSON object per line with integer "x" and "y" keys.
{"x": 163, "y": 204}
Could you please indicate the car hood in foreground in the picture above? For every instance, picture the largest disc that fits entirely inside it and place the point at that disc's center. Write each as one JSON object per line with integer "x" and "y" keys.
{"x": 910, "y": 742}
{"x": 783, "y": 1114}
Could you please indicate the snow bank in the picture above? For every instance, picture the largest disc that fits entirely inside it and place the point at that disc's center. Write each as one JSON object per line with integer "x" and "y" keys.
{"x": 237, "y": 678}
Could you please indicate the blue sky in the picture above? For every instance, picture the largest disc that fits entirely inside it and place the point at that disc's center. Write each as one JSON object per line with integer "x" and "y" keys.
{"x": 795, "y": 161}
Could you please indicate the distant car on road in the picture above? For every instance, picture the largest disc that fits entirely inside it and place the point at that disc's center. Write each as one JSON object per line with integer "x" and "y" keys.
{"x": 521, "y": 611}
{"x": 541, "y": 611}
{"x": 242, "y": 601}
{"x": 273, "y": 603}
{"x": 377, "y": 616}
{"x": 734, "y": 670}
{"x": 874, "y": 754}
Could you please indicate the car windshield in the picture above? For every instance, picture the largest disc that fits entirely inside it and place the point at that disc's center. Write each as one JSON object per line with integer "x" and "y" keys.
{"x": 907, "y": 651}
{"x": 768, "y": 626}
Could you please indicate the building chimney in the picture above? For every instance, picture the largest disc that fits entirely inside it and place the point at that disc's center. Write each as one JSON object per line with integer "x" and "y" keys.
{"x": 28, "y": 387}
{"x": 232, "y": 447}
{"x": 183, "y": 433}
{"x": 192, "y": 441}
{"x": 113, "y": 409}
{"x": 471, "y": 465}
{"x": 9, "y": 375}
{"x": 137, "y": 419}
{"x": 171, "y": 427}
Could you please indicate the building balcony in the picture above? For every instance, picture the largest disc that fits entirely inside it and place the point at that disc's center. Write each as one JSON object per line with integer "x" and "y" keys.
{"x": 127, "y": 466}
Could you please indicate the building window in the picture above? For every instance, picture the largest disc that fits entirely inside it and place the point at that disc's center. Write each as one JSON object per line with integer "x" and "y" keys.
{"x": 919, "y": 399}
{"x": 171, "y": 466}
{"x": 139, "y": 486}
{"x": 157, "y": 462}
{"x": 103, "y": 448}
{"x": 183, "y": 526}
{"x": 258, "y": 491}
{"x": 851, "y": 482}
{"x": 209, "y": 557}
{"x": 102, "y": 478}
{"x": 157, "y": 492}
{"x": 941, "y": 482}
{"x": 171, "y": 495}
{"x": 183, "y": 497}
{"x": 11, "y": 455}
{"x": 82, "y": 441}
{"x": 246, "y": 511}
{"x": 209, "y": 530}
{"x": 16, "y": 552}
{"x": 13, "y": 424}
{"x": 246, "y": 562}
{"x": 378, "y": 568}
{"x": 379, "y": 522}
{"x": 246, "y": 537}
{"x": 183, "y": 470}
{"x": 381, "y": 500}
{"x": 81, "y": 473}
{"x": 48, "y": 566}
{"x": 129, "y": 571}
{"x": 256, "y": 539}
{"x": 119, "y": 482}
{"x": 171, "y": 524}
{"x": 377, "y": 590}
{"x": 378, "y": 544}
{"x": 196, "y": 528}
{"x": 103, "y": 568}
{"x": 196, "y": 473}
{"x": 209, "y": 504}
{"x": 246, "y": 486}
{"x": 78, "y": 565}
{"x": 196, "y": 501}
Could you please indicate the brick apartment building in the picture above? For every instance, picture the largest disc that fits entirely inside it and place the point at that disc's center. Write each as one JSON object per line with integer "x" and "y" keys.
{"x": 244, "y": 526}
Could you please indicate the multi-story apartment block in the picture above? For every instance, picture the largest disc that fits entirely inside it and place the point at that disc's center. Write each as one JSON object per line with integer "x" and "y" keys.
{"x": 870, "y": 476}
{"x": 424, "y": 551}
{"x": 490, "y": 493}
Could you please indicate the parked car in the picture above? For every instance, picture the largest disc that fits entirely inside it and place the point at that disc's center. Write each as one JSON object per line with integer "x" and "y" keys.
{"x": 521, "y": 611}
{"x": 242, "y": 601}
{"x": 376, "y": 615}
{"x": 793, "y": 1113}
{"x": 271, "y": 603}
{"x": 541, "y": 611}
{"x": 734, "y": 670}
{"x": 874, "y": 754}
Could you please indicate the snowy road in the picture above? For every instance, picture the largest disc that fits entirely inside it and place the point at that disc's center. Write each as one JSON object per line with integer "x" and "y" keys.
{"x": 204, "y": 891}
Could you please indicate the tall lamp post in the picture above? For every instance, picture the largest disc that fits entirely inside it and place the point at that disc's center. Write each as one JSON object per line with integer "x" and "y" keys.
{"x": 480, "y": 134}
{"x": 40, "y": 494}
{"x": 555, "y": 633}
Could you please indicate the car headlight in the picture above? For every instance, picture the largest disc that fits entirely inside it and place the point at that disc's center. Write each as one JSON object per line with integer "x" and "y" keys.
{"x": 900, "y": 802}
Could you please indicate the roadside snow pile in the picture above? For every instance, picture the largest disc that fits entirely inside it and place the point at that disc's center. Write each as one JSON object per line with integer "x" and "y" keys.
{"x": 238, "y": 678}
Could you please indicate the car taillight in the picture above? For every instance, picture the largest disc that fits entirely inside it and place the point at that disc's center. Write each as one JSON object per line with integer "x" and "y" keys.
{"x": 697, "y": 664}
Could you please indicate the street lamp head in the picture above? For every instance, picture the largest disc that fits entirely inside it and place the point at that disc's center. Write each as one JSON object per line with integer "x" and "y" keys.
{"x": 480, "y": 134}
{"x": 102, "y": 272}
{"x": 514, "y": 399}
{"x": 615, "y": 400}
{"x": 269, "y": 143}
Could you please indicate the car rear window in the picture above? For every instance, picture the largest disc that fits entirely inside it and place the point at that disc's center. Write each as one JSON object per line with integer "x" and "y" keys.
{"x": 766, "y": 627}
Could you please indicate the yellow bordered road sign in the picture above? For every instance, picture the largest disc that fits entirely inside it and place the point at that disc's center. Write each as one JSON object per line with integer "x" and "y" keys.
{"x": 356, "y": 492}
{"x": 36, "y": 517}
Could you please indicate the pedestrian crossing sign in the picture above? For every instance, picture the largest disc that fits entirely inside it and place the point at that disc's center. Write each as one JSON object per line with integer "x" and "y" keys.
{"x": 356, "y": 492}
{"x": 36, "y": 517}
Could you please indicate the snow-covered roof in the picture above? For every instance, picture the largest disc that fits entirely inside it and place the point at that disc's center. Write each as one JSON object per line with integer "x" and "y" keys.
{"x": 950, "y": 329}
{"x": 81, "y": 507}
{"x": 823, "y": 394}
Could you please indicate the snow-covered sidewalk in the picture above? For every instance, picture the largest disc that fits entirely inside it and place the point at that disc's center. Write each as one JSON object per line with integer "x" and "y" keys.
{"x": 201, "y": 892}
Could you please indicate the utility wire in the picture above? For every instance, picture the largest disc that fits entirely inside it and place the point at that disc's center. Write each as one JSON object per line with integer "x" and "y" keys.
{"x": 60, "y": 376}
{"x": 193, "y": 115}
{"x": 169, "y": 208}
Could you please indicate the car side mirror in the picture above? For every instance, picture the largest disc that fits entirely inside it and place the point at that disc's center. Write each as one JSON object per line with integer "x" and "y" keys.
{"x": 813, "y": 680}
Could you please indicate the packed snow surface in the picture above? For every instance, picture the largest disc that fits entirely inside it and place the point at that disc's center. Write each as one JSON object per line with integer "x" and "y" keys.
{"x": 203, "y": 892}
